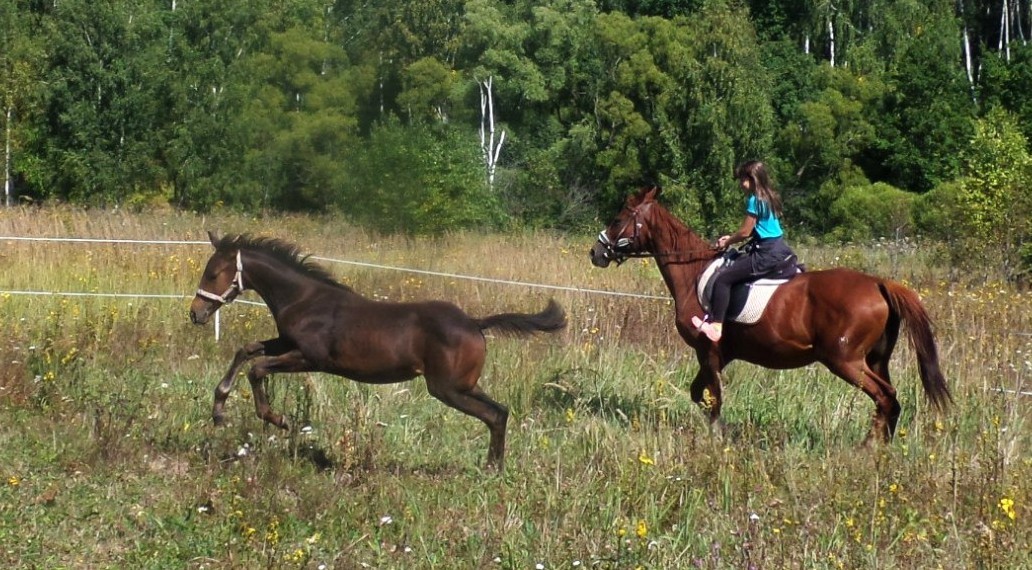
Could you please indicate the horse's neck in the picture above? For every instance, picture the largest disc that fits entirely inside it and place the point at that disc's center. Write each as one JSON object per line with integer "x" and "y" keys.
{"x": 681, "y": 256}
{"x": 277, "y": 283}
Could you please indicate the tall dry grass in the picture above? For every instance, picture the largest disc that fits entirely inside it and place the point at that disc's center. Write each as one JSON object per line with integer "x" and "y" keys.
{"x": 108, "y": 458}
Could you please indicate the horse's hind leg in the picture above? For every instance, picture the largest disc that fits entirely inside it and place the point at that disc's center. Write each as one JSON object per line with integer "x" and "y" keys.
{"x": 878, "y": 357}
{"x": 887, "y": 408}
{"x": 497, "y": 424}
{"x": 877, "y": 372}
{"x": 474, "y": 402}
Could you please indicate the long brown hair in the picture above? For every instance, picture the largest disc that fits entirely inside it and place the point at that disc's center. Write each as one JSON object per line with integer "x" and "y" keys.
{"x": 761, "y": 185}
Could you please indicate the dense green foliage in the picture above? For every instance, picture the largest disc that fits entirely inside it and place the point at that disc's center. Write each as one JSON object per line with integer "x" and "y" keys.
{"x": 379, "y": 110}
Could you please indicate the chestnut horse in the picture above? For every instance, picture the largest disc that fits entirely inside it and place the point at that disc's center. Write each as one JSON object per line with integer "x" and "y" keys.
{"x": 324, "y": 326}
{"x": 846, "y": 320}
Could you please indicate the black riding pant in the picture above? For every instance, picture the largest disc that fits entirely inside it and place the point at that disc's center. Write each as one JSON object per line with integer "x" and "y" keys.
{"x": 765, "y": 256}
{"x": 741, "y": 269}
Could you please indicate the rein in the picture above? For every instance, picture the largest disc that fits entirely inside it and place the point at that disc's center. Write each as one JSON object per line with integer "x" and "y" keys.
{"x": 622, "y": 243}
{"x": 235, "y": 287}
{"x": 619, "y": 253}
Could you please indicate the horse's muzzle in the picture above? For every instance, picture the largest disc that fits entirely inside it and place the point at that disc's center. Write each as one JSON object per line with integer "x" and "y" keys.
{"x": 600, "y": 255}
{"x": 200, "y": 312}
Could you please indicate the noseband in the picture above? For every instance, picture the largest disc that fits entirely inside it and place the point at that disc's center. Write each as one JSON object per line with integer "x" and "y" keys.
{"x": 619, "y": 250}
{"x": 235, "y": 287}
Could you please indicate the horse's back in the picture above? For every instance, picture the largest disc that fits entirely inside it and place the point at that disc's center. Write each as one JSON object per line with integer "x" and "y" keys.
{"x": 839, "y": 280}
{"x": 835, "y": 286}
{"x": 443, "y": 321}
{"x": 835, "y": 303}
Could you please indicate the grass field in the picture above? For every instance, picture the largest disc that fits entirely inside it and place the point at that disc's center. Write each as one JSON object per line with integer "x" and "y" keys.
{"x": 108, "y": 458}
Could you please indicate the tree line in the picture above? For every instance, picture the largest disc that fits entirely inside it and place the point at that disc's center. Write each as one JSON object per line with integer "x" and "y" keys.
{"x": 880, "y": 117}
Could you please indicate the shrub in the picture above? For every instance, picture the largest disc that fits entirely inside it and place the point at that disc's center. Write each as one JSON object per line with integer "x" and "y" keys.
{"x": 419, "y": 180}
{"x": 868, "y": 211}
{"x": 940, "y": 213}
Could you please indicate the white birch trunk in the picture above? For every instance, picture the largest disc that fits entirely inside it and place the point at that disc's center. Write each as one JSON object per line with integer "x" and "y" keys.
{"x": 8, "y": 183}
{"x": 380, "y": 71}
{"x": 1003, "y": 46}
{"x": 831, "y": 40}
{"x": 1017, "y": 22}
{"x": 488, "y": 148}
{"x": 967, "y": 59}
{"x": 1006, "y": 28}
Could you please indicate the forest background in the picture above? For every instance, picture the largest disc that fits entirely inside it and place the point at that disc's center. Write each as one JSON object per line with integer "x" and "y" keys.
{"x": 880, "y": 118}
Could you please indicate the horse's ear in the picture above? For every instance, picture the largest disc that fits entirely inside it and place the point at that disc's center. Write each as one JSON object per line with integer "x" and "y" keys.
{"x": 648, "y": 193}
{"x": 214, "y": 238}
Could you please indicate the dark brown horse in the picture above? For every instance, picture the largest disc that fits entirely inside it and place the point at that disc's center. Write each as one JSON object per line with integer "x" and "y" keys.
{"x": 846, "y": 320}
{"x": 325, "y": 326}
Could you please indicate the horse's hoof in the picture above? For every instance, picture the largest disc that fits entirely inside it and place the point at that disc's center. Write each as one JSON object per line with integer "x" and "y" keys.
{"x": 494, "y": 467}
{"x": 219, "y": 421}
{"x": 719, "y": 429}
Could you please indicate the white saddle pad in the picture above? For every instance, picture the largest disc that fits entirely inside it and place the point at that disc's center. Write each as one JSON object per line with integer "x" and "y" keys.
{"x": 760, "y": 292}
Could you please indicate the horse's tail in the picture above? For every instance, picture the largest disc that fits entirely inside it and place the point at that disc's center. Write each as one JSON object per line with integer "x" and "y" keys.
{"x": 907, "y": 305}
{"x": 551, "y": 319}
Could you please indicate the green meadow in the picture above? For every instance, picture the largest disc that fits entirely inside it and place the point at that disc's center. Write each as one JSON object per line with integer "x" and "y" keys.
{"x": 108, "y": 458}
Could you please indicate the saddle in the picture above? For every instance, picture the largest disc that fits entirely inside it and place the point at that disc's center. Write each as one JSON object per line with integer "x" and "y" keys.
{"x": 750, "y": 298}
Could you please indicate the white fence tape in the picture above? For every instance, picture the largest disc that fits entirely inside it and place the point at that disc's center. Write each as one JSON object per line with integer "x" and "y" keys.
{"x": 318, "y": 258}
{"x": 355, "y": 263}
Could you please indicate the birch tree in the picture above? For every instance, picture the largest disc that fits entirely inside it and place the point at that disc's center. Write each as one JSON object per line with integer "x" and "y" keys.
{"x": 489, "y": 148}
{"x": 1005, "y": 28}
{"x": 968, "y": 63}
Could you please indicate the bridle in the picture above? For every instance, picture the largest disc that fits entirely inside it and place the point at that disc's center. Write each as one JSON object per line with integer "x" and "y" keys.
{"x": 235, "y": 287}
{"x": 619, "y": 250}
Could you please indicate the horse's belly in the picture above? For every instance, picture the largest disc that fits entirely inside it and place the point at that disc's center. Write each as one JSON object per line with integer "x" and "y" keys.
{"x": 777, "y": 358}
{"x": 380, "y": 376}
{"x": 374, "y": 361}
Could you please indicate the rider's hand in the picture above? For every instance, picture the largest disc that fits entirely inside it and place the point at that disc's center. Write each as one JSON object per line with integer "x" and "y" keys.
{"x": 723, "y": 242}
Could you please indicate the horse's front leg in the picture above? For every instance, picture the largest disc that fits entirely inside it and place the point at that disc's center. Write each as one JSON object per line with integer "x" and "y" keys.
{"x": 247, "y": 352}
{"x": 291, "y": 361}
{"x": 705, "y": 389}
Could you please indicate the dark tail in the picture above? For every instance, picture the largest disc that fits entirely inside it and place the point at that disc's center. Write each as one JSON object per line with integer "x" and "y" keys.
{"x": 907, "y": 305}
{"x": 552, "y": 319}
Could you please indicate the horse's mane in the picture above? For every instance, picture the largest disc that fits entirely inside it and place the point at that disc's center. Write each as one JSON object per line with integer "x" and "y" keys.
{"x": 674, "y": 226}
{"x": 283, "y": 251}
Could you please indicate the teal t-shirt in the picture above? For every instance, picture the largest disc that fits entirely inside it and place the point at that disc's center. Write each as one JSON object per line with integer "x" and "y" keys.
{"x": 767, "y": 224}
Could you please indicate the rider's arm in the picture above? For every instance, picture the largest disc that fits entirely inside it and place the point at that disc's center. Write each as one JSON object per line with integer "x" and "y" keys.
{"x": 742, "y": 234}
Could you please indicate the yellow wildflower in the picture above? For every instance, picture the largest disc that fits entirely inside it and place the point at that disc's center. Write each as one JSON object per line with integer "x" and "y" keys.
{"x": 1007, "y": 506}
